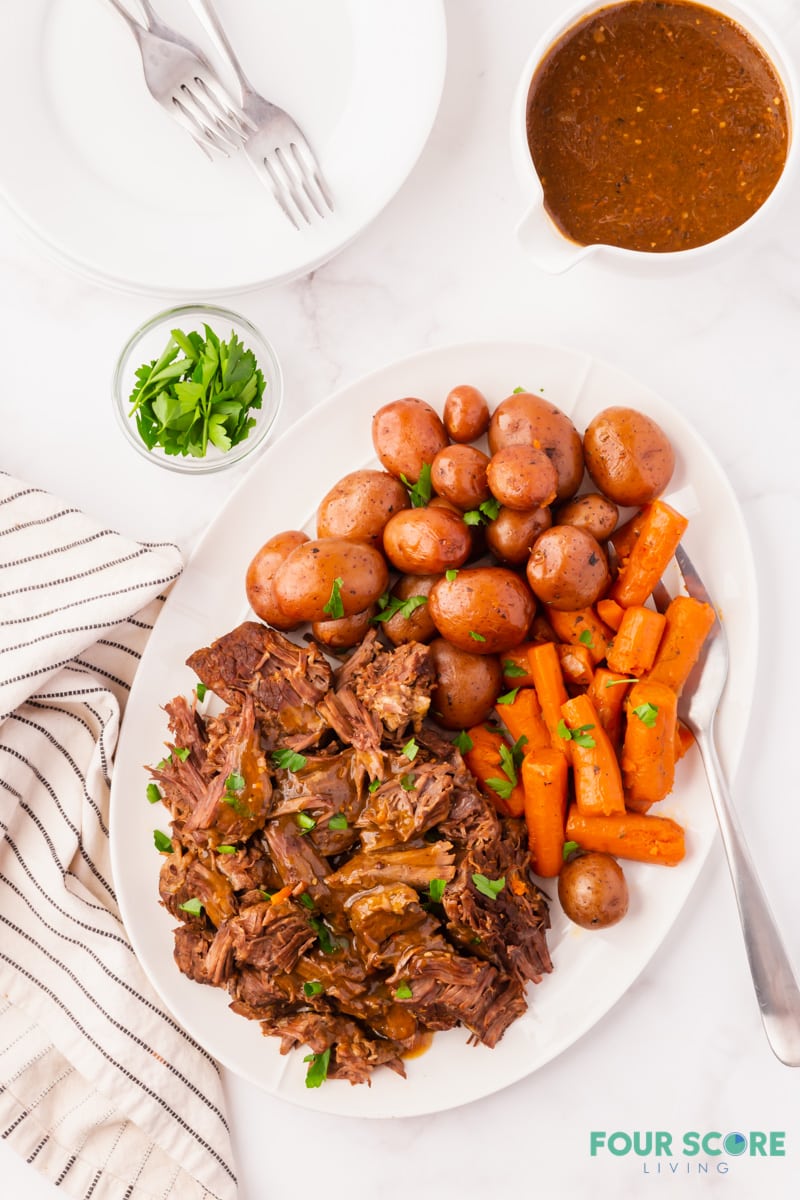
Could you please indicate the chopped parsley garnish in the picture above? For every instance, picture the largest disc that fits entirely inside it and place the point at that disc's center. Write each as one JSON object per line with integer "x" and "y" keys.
{"x": 390, "y": 605}
{"x": 627, "y": 679}
{"x": 201, "y": 690}
{"x": 436, "y": 890}
{"x": 569, "y": 849}
{"x": 503, "y": 787}
{"x": 289, "y": 760}
{"x": 463, "y": 742}
{"x": 327, "y": 943}
{"x": 237, "y": 804}
{"x": 305, "y": 900}
{"x": 647, "y": 714}
{"x": 338, "y": 821}
{"x": 335, "y": 607}
{"x": 508, "y": 697}
{"x": 153, "y": 793}
{"x": 450, "y": 574}
{"x": 305, "y": 821}
{"x": 312, "y": 987}
{"x": 490, "y": 888}
{"x": 317, "y": 1071}
{"x": 410, "y": 750}
{"x": 235, "y": 782}
{"x": 478, "y": 637}
{"x": 407, "y": 783}
{"x": 488, "y": 511}
{"x": 181, "y": 752}
{"x": 512, "y": 671}
{"x": 226, "y": 849}
{"x": 510, "y": 760}
{"x": 579, "y": 735}
{"x": 517, "y": 390}
{"x": 419, "y": 493}
{"x": 162, "y": 843}
{"x": 586, "y": 638}
{"x": 194, "y": 907}
{"x": 374, "y": 784}
{"x": 403, "y": 992}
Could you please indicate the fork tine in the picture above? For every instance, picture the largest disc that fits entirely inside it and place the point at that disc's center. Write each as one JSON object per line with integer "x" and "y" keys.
{"x": 294, "y": 184}
{"x": 208, "y": 115}
{"x": 308, "y": 165}
{"x": 202, "y": 134}
{"x": 277, "y": 189}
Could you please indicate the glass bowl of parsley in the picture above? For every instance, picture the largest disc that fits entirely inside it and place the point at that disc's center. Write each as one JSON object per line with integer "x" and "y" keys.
{"x": 197, "y": 388}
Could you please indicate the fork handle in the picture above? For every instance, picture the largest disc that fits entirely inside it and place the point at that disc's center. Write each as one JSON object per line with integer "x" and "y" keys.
{"x": 775, "y": 983}
{"x": 208, "y": 15}
{"x": 135, "y": 26}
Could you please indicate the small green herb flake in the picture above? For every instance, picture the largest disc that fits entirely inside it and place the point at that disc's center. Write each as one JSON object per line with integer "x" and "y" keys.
{"x": 312, "y": 988}
{"x": 326, "y": 942}
{"x": 580, "y": 735}
{"x": 503, "y": 787}
{"x": 374, "y": 784}
{"x": 194, "y": 907}
{"x": 153, "y": 793}
{"x": 201, "y": 392}
{"x": 517, "y": 390}
{"x": 490, "y": 509}
{"x": 472, "y": 517}
{"x": 305, "y": 821}
{"x": 306, "y": 900}
{"x": 436, "y": 890}
{"x": 451, "y": 574}
{"x": 512, "y": 671}
{"x": 476, "y": 637}
{"x": 647, "y": 714}
{"x": 338, "y": 821}
{"x": 419, "y": 493}
{"x": 407, "y": 783}
{"x": 181, "y": 752}
{"x": 463, "y": 742}
{"x": 162, "y": 843}
{"x": 289, "y": 760}
{"x": 390, "y": 605}
{"x": 586, "y": 638}
{"x": 317, "y": 1071}
{"x": 335, "y": 607}
{"x": 410, "y": 750}
{"x": 508, "y": 697}
{"x": 568, "y": 849}
{"x": 235, "y": 782}
{"x": 491, "y": 888}
{"x": 226, "y": 849}
{"x": 627, "y": 679}
{"x": 200, "y": 691}
{"x": 403, "y": 992}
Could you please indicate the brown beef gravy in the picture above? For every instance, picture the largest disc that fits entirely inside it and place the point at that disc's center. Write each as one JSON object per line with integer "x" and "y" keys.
{"x": 656, "y": 125}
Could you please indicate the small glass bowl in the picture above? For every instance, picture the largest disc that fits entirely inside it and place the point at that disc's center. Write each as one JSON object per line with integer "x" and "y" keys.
{"x": 148, "y": 343}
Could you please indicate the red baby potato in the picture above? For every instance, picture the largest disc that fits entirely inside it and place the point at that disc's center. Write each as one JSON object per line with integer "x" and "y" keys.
{"x": 407, "y": 434}
{"x": 466, "y": 413}
{"x": 595, "y": 513}
{"x": 426, "y": 541}
{"x": 628, "y": 456}
{"x": 458, "y": 473}
{"x": 567, "y": 568}
{"x": 467, "y": 685}
{"x": 525, "y": 419}
{"x": 359, "y": 505}
{"x": 485, "y": 610}
{"x": 522, "y": 477}
{"x": 305, "y": 583}
{"x": 339, "y": 633}
{"x": 260, "y": 574}
{"x": 510, "y": 536}
{"x": 415, "y": 624}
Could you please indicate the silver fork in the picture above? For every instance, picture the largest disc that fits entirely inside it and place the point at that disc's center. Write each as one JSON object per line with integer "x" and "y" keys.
{"x": 277, "y": 149}
{"x": 183, "y": 82}
{"x": 775, "y": 982}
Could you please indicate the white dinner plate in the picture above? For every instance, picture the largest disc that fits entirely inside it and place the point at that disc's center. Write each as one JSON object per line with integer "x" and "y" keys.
{"x": 116, "y": 189}
{"x": 592, "y": 970}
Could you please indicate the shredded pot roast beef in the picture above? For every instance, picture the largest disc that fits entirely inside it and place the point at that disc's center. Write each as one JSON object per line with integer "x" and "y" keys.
{"x": 325, "y": 846}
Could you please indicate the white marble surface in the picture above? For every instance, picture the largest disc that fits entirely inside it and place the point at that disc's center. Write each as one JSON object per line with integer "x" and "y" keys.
{"x": 684, "y": 1048}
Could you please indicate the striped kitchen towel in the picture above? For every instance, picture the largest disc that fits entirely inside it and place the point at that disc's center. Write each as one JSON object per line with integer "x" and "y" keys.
{"x": 100, "y": 1088}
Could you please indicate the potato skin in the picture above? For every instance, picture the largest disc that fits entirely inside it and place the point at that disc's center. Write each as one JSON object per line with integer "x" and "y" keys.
{"x": 458, "y": 473}
{"x": 304, "y": 581}
{"x": 407, "y": 434}
{"x": 466, "y": 413}
{"x": 359, "y": 505}
{"x": 593, "y": 890}
{"x": 595, "y": 513}
{"x": 510, "y": 536}
{"x": 525, "y": 419}
{"x": 419, "y": 626}
{"x": 426, "y": 541}
{"x": 340, "y": 633}
{"x": 485, "y": 610}
{"x": 467, "y": 685}
{"x": 567, "y": 568}
{"x": 628, "y": 456}
{"x": 522, "y": 477}
{"x": 260, "y": 575}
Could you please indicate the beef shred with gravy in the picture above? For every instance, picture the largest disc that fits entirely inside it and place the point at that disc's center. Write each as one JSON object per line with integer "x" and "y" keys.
{"x": 325, "y": 847}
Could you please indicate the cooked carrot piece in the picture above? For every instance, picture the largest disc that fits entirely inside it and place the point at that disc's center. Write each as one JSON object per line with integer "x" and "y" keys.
{"x": 609, "y": 612}
{"x": 637, "y": 641}
{"x": 522, "y": 717}
{"x": 549, "y": 683}
{"x": 581, "y": 627}
{"x": 595, "y": 769}
{"x": 544, "y": 781}
{"x": 607, "y": 693}
{"x": 632, "y": 835}
{"x": 485, "y": 763}
{"x": 625, "y": 536}
{"x": 684, "y": 740}
{"x": 688, "y": 623}
{"x": 648, "y": 750}
{"x": 577, "y": 665}
{"x": 662, "y": 529}
{"x": 516, "y": 670}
